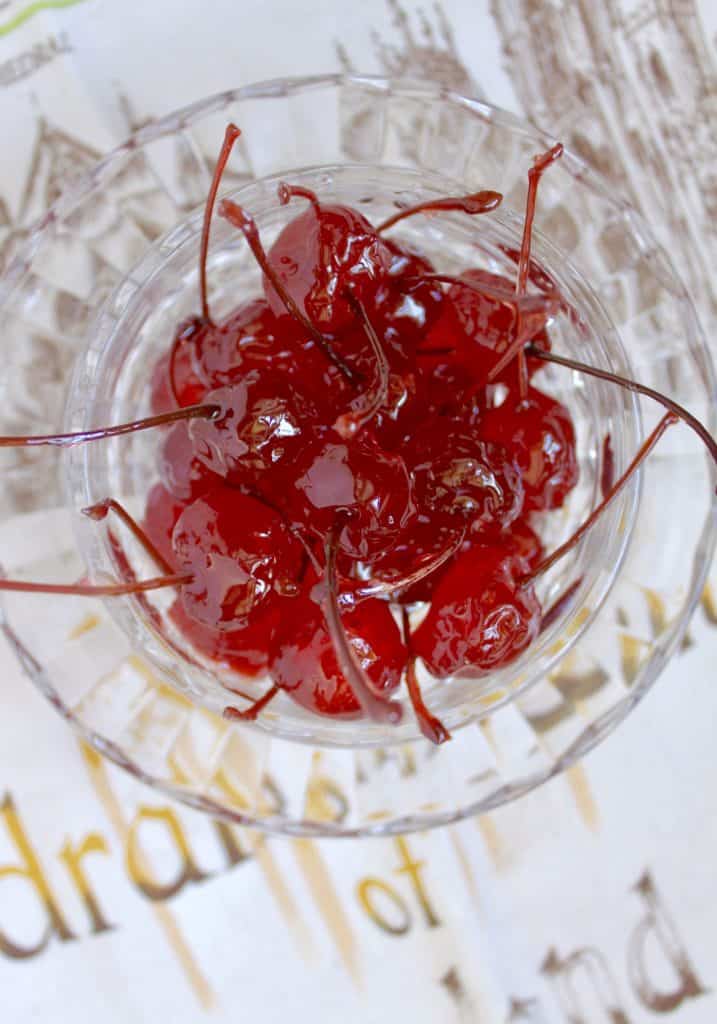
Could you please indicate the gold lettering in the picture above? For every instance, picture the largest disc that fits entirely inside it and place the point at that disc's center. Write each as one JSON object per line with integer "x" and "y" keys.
{"x": 365, "y": 889}
{"x": 31, "y": 870}
{"x": 136, "y": 861}
{"x": 412, "y": 868}
{"x": 591, "y": 964}
{"x": 72, "y": 857}
{"x": 658, "y": 924}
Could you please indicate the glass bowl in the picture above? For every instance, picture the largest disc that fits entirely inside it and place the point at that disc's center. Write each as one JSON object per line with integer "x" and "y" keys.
{"x": 92, "y": 300}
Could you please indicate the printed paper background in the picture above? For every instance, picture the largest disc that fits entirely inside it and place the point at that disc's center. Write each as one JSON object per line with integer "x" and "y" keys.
{"x": 591, "y": 900}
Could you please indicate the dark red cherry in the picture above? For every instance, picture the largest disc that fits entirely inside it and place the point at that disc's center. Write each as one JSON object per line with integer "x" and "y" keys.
{"x": 360, "y": 479}
{"x": 489, "y": 316}
{"x": 237, "y": 550}
{"x": 183, "y": 474}
{"x": 251, "y": 338}
{"x": 161, "y": 398}
{"x": 523, "y": 543}
{"x": 189, "y": 339}
{"x": 424, "y": 542}
{"x": 538, "y": 432}
{"x": 257, "y": 427}
{"x": 459, "y": 474}
{"x": 403, "y": 315}
{"x": 160, "y": 516}
{"x": 479, "y": 619}
{"x": 244, "y": 650}
{"x": 304, "y": 662}
{"x": 322, "y": 254}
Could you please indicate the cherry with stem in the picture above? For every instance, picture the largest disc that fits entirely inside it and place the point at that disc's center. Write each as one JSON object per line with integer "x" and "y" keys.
{"x": 244, "y": 221}
{"x": 431, "y": 727}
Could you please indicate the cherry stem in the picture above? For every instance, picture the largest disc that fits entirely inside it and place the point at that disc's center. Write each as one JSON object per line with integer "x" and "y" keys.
{"x": 366, "y": 406}
{"x": 667, "y": 420}
{"x": 540, "y": 165}
{"x": 631, "y": 385}
{"x": 559, "y": 605}
{"x": 239, "y": 217}
{"x": 374, "y": 704}
{"x": 97, "y": 590}
{"x": 431, "y": 727}
{"x": 101, "y": 510}
{"x": 80, "y": 437}
{"x": 607, "y": 475}
{"x": 249, "y": 714}
{"x": 288, "y": 192}
{"x": 231, "y": 134}
{"x": 476, "y": 202}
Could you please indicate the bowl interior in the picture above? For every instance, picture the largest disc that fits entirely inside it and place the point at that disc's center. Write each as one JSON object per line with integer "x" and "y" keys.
{"x": 136, "y": 328}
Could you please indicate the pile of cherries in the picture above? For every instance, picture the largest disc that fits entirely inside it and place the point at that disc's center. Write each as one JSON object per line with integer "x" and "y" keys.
{"x": 362, "y": 441}
{"x": 355, "y": 421}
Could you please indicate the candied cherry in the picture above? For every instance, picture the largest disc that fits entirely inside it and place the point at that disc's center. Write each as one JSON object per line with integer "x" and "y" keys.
{"x": 160, "y": 516}
{"x": 185, "y": 476}
{"x": 244, "y": 650}
{"x": 488, "y": 313}
{"x": 539, "y": 434}
{"x": 480, "y": 618}
{"x": 356, "y": 477}
{"x": 257, "y": 426}
{"x": 305, "y": 665}
{"x": 426, "y": 545}
{"x": 319, "y": 256}
{"x": 236, "y": 549}
{"x": 250, "y": 338}
{"x": 460, "y": 474}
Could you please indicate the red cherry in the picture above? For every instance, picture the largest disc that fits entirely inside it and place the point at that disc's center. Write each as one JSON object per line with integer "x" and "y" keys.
{"x": 304, "y": 662}
{"x": 479, "y": 619}
{"x": 244, "y": 650}
{"x": 538, "y": 432}
{"x": 359, "y": 478}
{"x": 489, "y": 317}
{"x": 184, "y": 381}
{"x": 251, "y": 338}
{"x": 184, "y": 475}
{"x": 322, "y": 254}
{"x": 161, "y": 398}
{"x": 237, "y": 549}
{"x": 459, "y": 474}
{"x": 257, "y": 427}
{"x": 523, "y": 543}
{"x": 161, "y": 513}
{"x": 421, "y": 544}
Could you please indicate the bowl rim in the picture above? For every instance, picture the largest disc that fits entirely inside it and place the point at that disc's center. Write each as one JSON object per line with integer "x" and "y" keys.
{"x": 664, "y": 646}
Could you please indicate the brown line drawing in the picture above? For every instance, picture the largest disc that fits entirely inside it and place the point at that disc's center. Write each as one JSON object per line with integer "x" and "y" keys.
{"x": 97, "y": 771}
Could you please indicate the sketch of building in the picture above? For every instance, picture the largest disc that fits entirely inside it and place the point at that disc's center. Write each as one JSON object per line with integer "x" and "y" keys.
{"x": 631, "y": 85}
